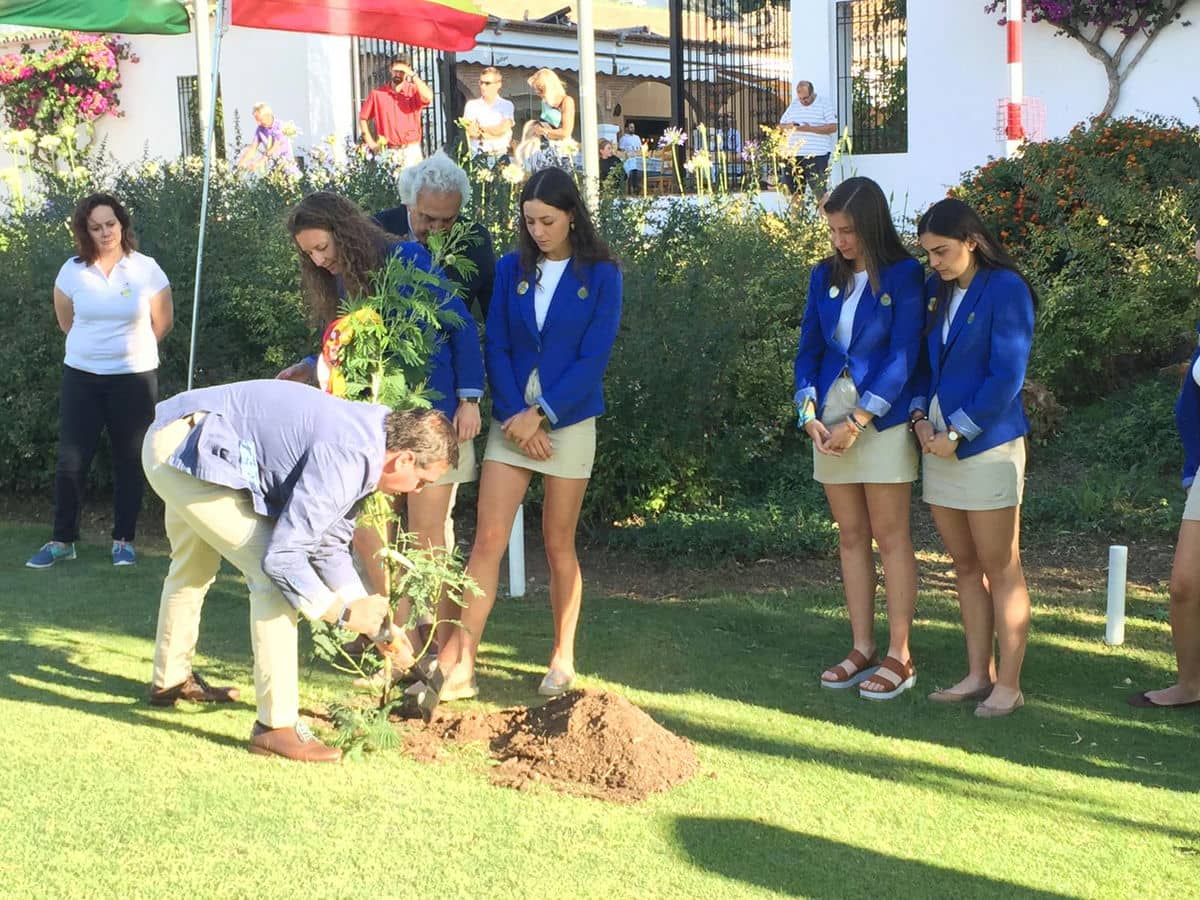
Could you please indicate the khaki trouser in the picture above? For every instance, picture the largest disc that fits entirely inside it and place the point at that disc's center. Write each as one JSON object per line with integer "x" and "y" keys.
{"x": 405, "y": 155}
{"x": 205, "y": 522}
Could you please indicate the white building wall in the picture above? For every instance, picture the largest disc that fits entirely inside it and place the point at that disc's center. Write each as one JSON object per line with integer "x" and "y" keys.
{"x": 957, "y": 72}
{"x": 149, "y": 98}
{"x": 305, "y": 79}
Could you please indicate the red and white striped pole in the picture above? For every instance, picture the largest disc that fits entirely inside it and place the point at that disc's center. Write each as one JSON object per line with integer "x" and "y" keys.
{"x": 1014, "y": 133}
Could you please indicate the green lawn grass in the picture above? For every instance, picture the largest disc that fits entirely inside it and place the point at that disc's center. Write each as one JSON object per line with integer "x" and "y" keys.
{"x": 802, "y": 791}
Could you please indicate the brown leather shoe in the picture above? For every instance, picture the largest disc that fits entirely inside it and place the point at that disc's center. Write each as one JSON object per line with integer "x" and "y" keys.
{"x": 195, "y": 689}
{"x": 294, "y": 742}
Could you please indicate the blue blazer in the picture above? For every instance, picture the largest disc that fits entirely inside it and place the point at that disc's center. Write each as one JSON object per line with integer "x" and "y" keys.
{"x": 1187, "y": 420}
{"x": 571, "y": 351}
{"x": 978, "y": 371}
{"x": 884, "y": 346}
{"x": 456, "y": 367}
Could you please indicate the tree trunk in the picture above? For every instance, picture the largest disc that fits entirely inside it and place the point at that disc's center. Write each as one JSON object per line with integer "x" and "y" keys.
{"x": 1114, "y": 87}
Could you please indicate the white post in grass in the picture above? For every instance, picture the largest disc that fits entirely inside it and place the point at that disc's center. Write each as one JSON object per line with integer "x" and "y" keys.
{"x": 516, "y": 555}
{"x": 1114, "y": 630}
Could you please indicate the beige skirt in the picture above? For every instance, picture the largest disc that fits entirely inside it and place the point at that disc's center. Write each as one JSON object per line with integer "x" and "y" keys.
{"x": 993, "y": 479}
{"x": 572, "y": 449}
{"x": 1191, "y": 509}
{"x": 467, "y": 469}
{"x": 875, "y": 457}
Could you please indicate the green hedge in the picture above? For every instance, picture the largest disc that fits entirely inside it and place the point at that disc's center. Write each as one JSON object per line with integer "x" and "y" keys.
{"x": 1102, "y": 222}
{"x": 698, "y": 453}
{"x": 699, "y": 386}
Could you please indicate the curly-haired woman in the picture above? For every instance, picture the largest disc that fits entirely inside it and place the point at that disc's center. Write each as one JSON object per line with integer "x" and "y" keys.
{"x": 340, "y": 248}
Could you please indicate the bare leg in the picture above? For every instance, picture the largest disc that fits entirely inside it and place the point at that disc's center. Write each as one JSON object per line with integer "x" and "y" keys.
{"x": 974, "y": 600}
{"x": 367, "y": 544}
{"x": 1185, "y": 618}
{"x": 560, "y": 518}
{"x": 427, "y": 511}
{"x": 996, "y": 534}
{"x": 501, "y": 489}
{"x": 890, "y": 510}
{"x": 848, "y": 503}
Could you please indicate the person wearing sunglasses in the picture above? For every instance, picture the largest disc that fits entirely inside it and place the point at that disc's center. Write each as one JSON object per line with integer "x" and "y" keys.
{"x": 488, "y": 119}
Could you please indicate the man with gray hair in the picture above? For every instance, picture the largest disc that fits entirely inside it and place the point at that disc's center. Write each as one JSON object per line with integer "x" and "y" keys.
{"x": 432, "y": 194}
{"x": 811, "y": 124}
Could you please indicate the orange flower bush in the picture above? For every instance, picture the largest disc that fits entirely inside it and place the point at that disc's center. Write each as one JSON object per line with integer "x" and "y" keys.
{"x": 1103, "y": 222}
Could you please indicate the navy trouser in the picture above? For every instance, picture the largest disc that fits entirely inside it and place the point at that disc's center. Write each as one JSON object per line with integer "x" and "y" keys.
{"x": 811, "y": 169}
{"x": 124, "y": 406}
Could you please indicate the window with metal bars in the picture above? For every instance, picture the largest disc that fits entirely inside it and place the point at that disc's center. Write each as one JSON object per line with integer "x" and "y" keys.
{"x": 872, "y": 66}
{"x": 191, "y": 130}
{"x": 373, "y": 67}
{"x": 732, "y": 63}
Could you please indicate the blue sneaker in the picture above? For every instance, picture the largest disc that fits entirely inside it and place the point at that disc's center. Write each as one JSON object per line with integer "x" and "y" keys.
{"x": 123, "y": 554}
{"x": 50, "y": 554}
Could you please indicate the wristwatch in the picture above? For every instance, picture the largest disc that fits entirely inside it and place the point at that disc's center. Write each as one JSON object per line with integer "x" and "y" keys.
{"x": 474, "y": 400}
{"x": 344, "y": 617}
{"x": 541, "y": 412}
{"x": 953, "y": 435}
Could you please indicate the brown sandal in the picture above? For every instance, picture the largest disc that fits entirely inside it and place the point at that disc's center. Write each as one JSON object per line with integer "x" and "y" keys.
{"x": 863, "y": 668}
{"x": 905, "y": 674}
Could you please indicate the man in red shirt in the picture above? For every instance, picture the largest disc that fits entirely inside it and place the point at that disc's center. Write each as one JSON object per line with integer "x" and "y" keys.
{"x": 396, "y": 110}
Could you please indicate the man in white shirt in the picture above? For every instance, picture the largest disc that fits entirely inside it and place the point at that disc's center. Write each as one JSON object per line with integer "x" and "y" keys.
{"x": 811, "y": 124}
{"x": 630, "y": 145}
{"x": 629, "y": 148}
{"x": 488, "y": 119}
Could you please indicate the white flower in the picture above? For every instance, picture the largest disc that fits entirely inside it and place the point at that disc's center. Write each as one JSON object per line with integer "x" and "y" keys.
{"x": 513, "y": 173}
{"x": 289, "y": 129}
{"x": 150, "y": 169}
{"x": 23, "y": 141}
{"x": 80, "y": 173}
{"x": 49, "y": 142}
{"x": 485, "y": 176}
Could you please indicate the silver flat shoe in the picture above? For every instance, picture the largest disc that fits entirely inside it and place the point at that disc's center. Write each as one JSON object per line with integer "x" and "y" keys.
{"x": 556, "y": 682}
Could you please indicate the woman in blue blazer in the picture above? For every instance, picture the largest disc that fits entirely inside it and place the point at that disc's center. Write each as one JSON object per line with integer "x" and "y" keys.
{"x": 859, "y": 342}
{"x": 555, "y": 309}
{"x": 1185, "y": 572}
{"x": 968, "y": 418}
{"x": 340, "y": 248}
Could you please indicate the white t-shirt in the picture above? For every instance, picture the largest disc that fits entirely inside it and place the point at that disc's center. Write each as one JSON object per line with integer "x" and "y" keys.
{"x": 845, "y": 326}
{"x": 956, "y": 299}
{"x": 111, "y": 332}
{"x": 479, "y": 112}
{"x": 551, "y": 274}
{"x": 630, "y": 143}
{"x": 805, "y": 143}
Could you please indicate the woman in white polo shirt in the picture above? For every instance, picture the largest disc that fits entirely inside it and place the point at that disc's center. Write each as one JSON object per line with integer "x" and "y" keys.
{"x": 114, "y": 305}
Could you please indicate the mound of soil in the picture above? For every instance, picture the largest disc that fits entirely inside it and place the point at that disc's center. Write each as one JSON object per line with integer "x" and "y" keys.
{"x": 586, "y": 742}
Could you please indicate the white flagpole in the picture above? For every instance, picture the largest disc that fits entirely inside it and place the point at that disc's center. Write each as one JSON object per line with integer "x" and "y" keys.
{"x": 588, "y": 126}
{"x": 210, "y": 124}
